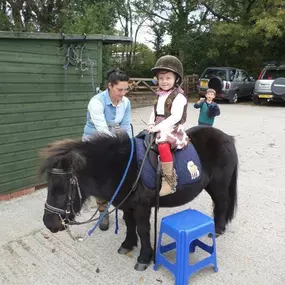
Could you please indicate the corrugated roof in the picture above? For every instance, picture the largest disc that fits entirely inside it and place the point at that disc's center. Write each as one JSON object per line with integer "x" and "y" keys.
{"x": 106, "y": 39}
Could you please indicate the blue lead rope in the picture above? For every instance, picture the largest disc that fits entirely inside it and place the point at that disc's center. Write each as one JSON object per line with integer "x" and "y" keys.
{"x": 116, "y": 192}
{"x": 117, "y": 224}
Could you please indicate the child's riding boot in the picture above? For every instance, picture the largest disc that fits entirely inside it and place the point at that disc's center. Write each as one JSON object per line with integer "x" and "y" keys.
{"x": 169, "y": 179}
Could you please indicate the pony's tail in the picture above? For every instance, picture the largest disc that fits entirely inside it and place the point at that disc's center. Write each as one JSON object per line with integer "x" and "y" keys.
{"x": 232, "y": 199}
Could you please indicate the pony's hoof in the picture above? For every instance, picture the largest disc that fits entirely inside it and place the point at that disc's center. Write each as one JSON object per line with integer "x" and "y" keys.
{"x": 141, "y": 266}
{"x": 217, "y": 234}
{"x": 220, "y": 232}
{"x": 122, "y": 250}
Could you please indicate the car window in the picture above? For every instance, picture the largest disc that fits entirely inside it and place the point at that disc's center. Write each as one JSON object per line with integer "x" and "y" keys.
{"x": 244, "y": 76}
{"x": 211, "y": 72}
{"x": 232, "y": 73}
{"x": 273, "y": 74}
{"x": 238, "y": 75}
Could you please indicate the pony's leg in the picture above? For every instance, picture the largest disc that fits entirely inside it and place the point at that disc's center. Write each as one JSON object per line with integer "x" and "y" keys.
{"x": 142, "y": 216}
{"x": 219, "y": 195}
{"x": 131, "y": 237}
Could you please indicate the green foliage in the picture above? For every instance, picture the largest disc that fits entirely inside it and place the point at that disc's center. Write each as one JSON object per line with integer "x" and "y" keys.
{"x": 253, "y": 38}
{"x": 244, "y": 33}
{"x": 91, "y": 19}
{"x": 144, "y": 60}
{"x": 159, "y": 30}
{"x": 270, "y": 21}
{"x": 5, "y": 24}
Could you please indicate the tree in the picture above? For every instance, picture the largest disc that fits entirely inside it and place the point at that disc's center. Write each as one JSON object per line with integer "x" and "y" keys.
{"x": 144, "y": 61}
{"x": 131, "y": 21}
{"x": 159, "y": 31}
{"x": 248, "y": 32}
{"x": 58, "y": 15}
{"x": 33, "y": 15}
{"x": 243, "y": 33}
{"x": 177, "y": 17}
{"x": 5, "y": 23}
{"x": 98, "y": 18}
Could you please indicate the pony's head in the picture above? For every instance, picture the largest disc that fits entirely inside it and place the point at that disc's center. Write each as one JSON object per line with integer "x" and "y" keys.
{"x": 63, "y": 162}
{"x": 78, "y": 169}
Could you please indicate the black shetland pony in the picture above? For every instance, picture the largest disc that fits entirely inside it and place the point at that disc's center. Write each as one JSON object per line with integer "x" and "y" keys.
{"x": 96, "y": 168}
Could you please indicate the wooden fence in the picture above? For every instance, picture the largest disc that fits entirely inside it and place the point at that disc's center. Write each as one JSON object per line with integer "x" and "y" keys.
{"x": 147, "y": 85}
{"x": 142, "y": 90}
{"x": 190, "y": 84}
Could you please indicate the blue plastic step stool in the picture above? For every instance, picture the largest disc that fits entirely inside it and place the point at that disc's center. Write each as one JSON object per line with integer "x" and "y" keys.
{"x": 186, "y": 228}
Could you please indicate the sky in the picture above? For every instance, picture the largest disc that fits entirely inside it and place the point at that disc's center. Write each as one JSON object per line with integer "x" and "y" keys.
{"x": 145, "y": 35}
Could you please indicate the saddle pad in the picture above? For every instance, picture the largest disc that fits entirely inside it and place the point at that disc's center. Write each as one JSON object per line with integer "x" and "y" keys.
{"x": 186, "y": 162}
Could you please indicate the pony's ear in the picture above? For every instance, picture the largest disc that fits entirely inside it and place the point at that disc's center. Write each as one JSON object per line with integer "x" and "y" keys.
{"x": 47, "y": 160}
{"x": 47, "y": 164}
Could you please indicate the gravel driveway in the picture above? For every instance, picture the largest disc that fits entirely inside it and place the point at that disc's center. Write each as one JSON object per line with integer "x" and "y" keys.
{"x": 251, "y": 252}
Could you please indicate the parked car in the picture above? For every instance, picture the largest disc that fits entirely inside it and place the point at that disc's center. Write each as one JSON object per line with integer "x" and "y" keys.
{"x": 230, "y": 83}
{"x": 264, "y": 89}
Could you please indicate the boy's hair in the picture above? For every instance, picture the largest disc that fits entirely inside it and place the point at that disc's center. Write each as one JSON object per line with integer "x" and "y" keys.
{"x": 211, "y": 91}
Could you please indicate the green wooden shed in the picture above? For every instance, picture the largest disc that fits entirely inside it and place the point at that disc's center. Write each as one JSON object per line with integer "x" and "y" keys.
{"x": 46, "y": 81}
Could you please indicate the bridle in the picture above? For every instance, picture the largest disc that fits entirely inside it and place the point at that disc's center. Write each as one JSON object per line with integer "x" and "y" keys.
{"x": 64, "y": 215}
{"x": 73, "y": 188}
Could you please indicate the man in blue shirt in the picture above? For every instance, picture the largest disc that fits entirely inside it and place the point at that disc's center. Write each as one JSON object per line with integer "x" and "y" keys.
{"x": 108, "y": 111}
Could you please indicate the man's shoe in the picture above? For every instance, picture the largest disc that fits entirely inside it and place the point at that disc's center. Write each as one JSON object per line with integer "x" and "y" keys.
{"x": 104, "y": 225}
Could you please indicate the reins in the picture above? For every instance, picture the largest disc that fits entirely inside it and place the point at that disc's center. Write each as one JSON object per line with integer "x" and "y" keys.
{"x": 135, "y": 184}
{"x": 156, "y": 207}
{"x": 117, "y": 190}
{"x": 60, "y": 212}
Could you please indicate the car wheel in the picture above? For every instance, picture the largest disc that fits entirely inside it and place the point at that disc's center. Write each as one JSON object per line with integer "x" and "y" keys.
{"x": 256, "y": 100}
{"x": 234, "y": 98}
{"x": 250, "y": 96}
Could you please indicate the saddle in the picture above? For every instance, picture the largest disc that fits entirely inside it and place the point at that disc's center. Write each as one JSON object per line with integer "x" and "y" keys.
{"x": 186, "y": 162}
{"x": 153, "y": 149}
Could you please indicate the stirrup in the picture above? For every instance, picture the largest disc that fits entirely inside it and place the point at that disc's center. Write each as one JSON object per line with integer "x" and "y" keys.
{"x": 171, "y": 182}
{"x": 173, "y": 190}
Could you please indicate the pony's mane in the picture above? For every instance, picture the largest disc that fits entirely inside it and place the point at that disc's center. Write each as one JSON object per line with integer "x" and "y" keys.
{"x": 58, "y": 148}
{"x": 62, "y": 151}
{"x": 72, "y": 152}
{"x": 101, "y": 137}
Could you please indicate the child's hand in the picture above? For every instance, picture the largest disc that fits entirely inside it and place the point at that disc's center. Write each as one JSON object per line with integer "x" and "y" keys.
{"x": 149, "y": 127}
{"x": 152, "y": 129}
{"x": 201, "y": 100}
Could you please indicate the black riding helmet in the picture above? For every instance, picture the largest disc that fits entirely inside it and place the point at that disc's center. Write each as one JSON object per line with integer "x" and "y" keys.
{"x": 169, "y": 63}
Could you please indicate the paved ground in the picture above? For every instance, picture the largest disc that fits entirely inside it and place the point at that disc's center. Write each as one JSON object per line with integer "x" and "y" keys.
{"x": 251, "y": 252}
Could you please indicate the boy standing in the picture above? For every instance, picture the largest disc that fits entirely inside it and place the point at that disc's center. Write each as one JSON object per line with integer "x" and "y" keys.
{"x": 208, "y": 109}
